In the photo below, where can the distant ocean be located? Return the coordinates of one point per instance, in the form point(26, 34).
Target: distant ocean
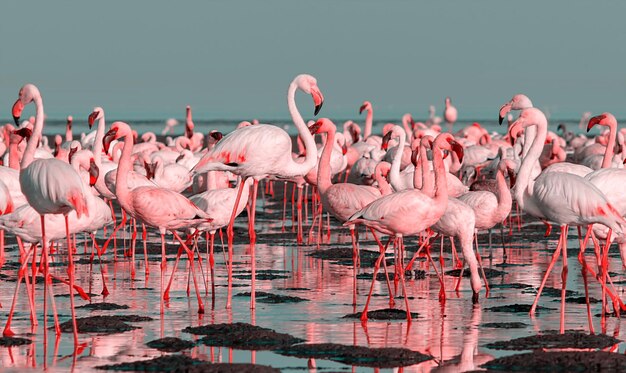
point(53, 127)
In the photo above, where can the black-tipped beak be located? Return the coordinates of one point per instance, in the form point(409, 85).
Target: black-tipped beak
point(92, 118)
point(17, 109)
point(458, 149)
point(361, 109)
point(217, 135)
point(315, 127)
point(318, 108)
point(94, 172)
point(108, 138)
point(595, 120)
point(24, 132)
point(500, 119)
point(386, 139)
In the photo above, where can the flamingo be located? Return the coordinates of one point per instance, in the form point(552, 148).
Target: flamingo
point(157, 207)
point(450, 113)
point(260, 151)
point(342, 200)
point(408, 212)
point(50, 187)
point(563, 198)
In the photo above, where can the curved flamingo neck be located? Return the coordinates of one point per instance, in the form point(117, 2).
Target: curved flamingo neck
point(369, 119)
point(381, 180)
point(97, 146)
point(529, 135)
point(14, 155)
point(524, 183)
point(425, 179)
point(608, 152)
point(441, 187)
point(310, 158)
point(123, 169)
point(323, 173)
point(394, 172)
point(503, 194)
point(29, 153)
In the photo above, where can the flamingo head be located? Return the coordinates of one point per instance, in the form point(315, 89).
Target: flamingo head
point(216, 135)
point(448, 100)
point(71, 153)
point(70, 119)
point(96, 114)
point(22, 133)
point(28, 93)
point(94, 172)
point(518, 102)
point(117, 130)
point(507, 166)
point(529, 117)
point(385, 144)
point(150, 169)
point(308, 84)
point(322, 125)
point(446, 141)
point(366, 106)
point(604, 119)
point(355, 132)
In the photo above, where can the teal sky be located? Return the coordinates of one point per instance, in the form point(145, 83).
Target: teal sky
point(234, 59)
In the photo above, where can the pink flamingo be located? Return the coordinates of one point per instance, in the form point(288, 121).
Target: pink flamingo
point(260, 151)
point(342, 200)
point(157, 207)
point(51, 187)
point(68, 129)
point(450, 113)
point(408, 212)
point(559, 197)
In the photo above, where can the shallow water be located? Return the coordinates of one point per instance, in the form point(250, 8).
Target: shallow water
point(446, 331)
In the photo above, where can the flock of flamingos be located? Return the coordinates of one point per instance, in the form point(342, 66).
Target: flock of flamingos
point(414, 180)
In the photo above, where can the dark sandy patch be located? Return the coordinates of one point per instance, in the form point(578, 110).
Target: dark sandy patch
point(14, 341)
point(343, 256)
point(104, 324)
point(181, 363)
point(489, 273)
point(559, 361)
point(264, 297)
point(547, 340)
point(356, 355)
point(104, 306)
point(383, 314)
point(170, 344)
point(550, 292)
point(517, 308)
point(264, 274)
point(512, 285)
point(242, 336)
point(416, 274)
point(580, 300)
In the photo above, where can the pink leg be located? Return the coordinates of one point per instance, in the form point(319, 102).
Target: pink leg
point(105, 290)
point(564, 230)
point(480, 264)
point(555, 256)
point(392, 302)
point(144, 237)
point(70, 272)
point(190, 255)
point(381, 257)
point(299, 206)
point(230, 234)
point(211, 266)
point(255, 186)
point(355, 255)
point(7, 332)
point(284, 207)
point(402, 281)
point(583, 269)
point(163, 262)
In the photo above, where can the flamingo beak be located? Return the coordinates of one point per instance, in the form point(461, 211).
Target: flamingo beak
point(512, 178)
point(94, 172)
point(108, 138)
point(344, 149)
point(504, 110)
point(17, 109)
point(354, 134)
point(71, 154)
point(362, 108)
point(315, 127)
point(386, 139)
point(458, 149)
point(179, 158)
point(217, 135)
point(515, 130)
point(595, 120)
point(188, 131)
point(24, 132)
point(69, 124)
point(318, 100)
point(414, 157)
point(92, 118)
point(150, 170)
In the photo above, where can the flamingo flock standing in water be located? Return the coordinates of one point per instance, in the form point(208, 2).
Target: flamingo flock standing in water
point(184, 189)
